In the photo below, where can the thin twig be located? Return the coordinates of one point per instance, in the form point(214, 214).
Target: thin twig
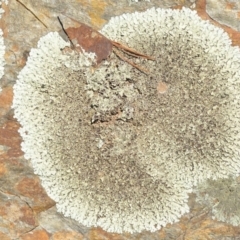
point(130, 51)
point(32, 13)
point(128, 61)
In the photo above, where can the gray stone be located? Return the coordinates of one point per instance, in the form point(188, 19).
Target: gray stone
point(52, 222)
point(225, 12)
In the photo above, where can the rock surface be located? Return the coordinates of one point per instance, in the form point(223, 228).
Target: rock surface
point(226, 12)
point(26, 212)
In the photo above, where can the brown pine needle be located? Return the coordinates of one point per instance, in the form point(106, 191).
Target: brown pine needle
point(128, 61)
point(28, 9)
point(130, 54)
point(130, 51)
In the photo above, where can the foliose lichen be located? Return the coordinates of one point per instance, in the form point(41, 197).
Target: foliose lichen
point(222, 198)
point(191, 129)
point(121, 149)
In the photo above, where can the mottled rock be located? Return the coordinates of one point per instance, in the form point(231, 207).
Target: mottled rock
point(30, 188)
point(226, 12)
point(98, 233)
point(52, 221)
point(6, 96)
point(36, 234)
point(64, 235)
point(10, 138)
point(4, 236)
point(3, 169)
point(233, 34)
point(12, 164)
point(16, 217)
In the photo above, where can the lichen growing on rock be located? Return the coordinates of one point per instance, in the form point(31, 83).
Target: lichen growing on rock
point(118, 148)
point(222, 198)
point(90, 170)
point(188, 104)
